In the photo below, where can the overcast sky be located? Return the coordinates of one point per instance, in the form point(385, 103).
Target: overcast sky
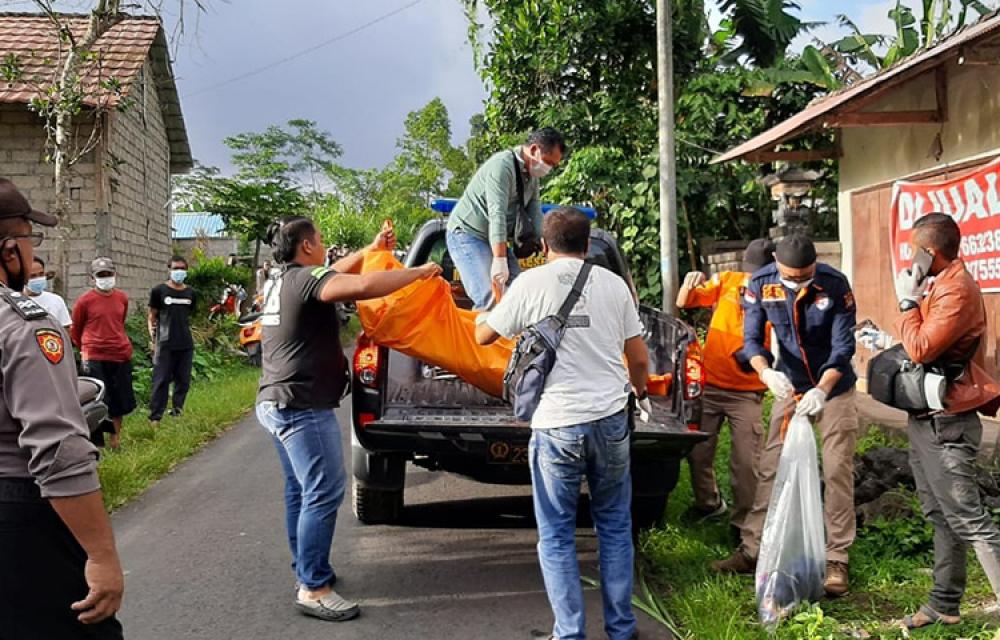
point(361, 87)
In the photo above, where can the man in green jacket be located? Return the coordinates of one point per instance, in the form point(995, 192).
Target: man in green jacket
point(483, 221)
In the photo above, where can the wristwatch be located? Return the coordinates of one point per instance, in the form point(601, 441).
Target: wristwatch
point(907, 305)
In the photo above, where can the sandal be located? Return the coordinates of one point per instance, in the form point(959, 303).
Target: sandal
point(925, 617)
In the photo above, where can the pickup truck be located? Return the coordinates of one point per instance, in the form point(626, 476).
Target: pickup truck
point(406, 410)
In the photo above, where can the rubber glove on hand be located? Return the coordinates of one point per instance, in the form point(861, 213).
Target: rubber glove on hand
point(694, 279)
point(500, 270)
point(778, 383)
point(909, 287)
point(645, 407)
point(812, 402)
point(874, 339)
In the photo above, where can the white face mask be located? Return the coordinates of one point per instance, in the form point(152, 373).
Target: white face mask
point(796, 286)
point(539, 169)
point(105, 284)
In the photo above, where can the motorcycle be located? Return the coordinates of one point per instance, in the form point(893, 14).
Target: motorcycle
point(251, 332)
point(91, 394)
point(232, 298)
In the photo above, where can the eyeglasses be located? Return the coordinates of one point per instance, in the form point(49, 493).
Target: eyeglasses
point(35, 238)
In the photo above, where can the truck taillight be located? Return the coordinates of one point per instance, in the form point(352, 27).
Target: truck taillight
point(366, 361)
point(694, 378)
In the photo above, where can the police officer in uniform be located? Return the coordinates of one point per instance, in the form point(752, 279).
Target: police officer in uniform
point(60, 577)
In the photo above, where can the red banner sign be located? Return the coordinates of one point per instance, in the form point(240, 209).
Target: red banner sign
point(972, 200)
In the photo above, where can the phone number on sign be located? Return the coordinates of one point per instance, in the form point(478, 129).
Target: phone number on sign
point(984, 269)
point(978, 243)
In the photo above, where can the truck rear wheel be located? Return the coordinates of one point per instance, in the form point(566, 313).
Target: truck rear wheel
point(377, 506)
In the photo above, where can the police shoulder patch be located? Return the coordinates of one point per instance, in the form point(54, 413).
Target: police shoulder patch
point(52, 345)
point(23, 305)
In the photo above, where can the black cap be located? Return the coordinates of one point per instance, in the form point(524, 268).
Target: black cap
point(15, 205)
point(759, 253)
point(796, 251)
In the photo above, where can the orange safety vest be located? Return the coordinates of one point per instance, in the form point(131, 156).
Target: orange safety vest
point(725, 333)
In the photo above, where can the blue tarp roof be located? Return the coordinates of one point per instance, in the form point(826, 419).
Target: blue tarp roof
point(197, 225)
point(445, 205)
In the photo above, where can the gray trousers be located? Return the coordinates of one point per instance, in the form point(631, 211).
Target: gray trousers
point(943, 457)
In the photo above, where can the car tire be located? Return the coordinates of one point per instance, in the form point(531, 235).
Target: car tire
point(377, 506)
point(254, 356)
point(647, 511)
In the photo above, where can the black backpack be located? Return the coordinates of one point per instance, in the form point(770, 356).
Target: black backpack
point(526, 242)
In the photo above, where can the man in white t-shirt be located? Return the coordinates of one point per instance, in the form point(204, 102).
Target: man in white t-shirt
point(580, 429)
point(51, 302)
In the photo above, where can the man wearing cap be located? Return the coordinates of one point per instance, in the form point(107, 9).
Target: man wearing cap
point(99, 332)
point(60, 577)
point(732, 390)
point(811, 308)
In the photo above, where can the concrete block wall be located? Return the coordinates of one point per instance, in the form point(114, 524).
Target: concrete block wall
point(138, 172)
point(22, 160)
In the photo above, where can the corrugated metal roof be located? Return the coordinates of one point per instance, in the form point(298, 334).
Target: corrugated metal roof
point(811, 116)
point(198, 225)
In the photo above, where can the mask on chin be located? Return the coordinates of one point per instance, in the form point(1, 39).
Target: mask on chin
point(796, 286)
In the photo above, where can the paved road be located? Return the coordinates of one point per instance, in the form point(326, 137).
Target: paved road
point(205, 557)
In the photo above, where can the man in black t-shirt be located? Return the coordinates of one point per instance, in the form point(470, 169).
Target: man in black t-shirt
point(303, 379)
point(170, 307)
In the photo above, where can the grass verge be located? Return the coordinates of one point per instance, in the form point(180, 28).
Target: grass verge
point(145, 456)
point(888, 580)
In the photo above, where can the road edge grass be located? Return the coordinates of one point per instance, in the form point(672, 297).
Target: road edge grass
point(886, 583)
point(212, 407)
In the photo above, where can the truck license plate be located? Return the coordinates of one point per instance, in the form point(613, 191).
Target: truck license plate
point(505, 453)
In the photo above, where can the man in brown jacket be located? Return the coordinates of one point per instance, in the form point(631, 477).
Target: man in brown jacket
point(943, 321)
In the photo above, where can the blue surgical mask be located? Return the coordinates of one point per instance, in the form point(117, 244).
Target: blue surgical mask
point(178, 275)
point(37, 285)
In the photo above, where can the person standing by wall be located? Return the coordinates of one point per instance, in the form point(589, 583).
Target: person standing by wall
point(60, 575)
point(580, 428)
point(171, 305)
point(811, 307)
point(942, 324)
point(732, 390)
point(482, 226)
point(99, 332)
point(36, 287)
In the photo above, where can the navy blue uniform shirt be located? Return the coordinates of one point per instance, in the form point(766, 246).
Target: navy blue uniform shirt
point(814, 326)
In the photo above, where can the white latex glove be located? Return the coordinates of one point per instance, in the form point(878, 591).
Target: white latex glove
point(694, 279)
point(778, 383)
point(874, 339)
point(812, 402)
point(645, 408)
point(481, 318)
point(499, 270)
point(908, 287)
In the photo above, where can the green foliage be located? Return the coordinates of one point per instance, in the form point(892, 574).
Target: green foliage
point(765, 28)
point(811, 624)
point(209, 278)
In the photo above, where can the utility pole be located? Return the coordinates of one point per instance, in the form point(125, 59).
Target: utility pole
point(668, 161)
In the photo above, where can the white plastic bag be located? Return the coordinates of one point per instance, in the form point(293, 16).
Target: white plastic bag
point(791, 565)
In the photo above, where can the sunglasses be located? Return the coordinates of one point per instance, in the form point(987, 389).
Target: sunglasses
point(35, 238)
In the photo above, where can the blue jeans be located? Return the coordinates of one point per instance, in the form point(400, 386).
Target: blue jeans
point(473, 257)
point(560, 459)
point(308, 444)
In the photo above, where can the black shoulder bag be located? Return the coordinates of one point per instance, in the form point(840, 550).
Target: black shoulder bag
point(894, 379)
point(526, 242)
point(535, 354)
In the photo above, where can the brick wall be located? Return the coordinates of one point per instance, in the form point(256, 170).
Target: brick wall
point(138, 175)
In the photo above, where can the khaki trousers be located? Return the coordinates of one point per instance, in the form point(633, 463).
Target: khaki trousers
point(743, 409)
point(838, 428)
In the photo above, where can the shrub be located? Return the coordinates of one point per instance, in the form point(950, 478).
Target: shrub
point(209, 278)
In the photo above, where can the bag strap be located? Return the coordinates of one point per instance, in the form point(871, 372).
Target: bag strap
point(575, 293)
point(520, 182)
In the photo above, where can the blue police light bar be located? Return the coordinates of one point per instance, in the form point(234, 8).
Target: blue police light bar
point(445, 205)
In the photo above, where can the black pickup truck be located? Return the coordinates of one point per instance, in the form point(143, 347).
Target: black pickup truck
point(406, 410)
